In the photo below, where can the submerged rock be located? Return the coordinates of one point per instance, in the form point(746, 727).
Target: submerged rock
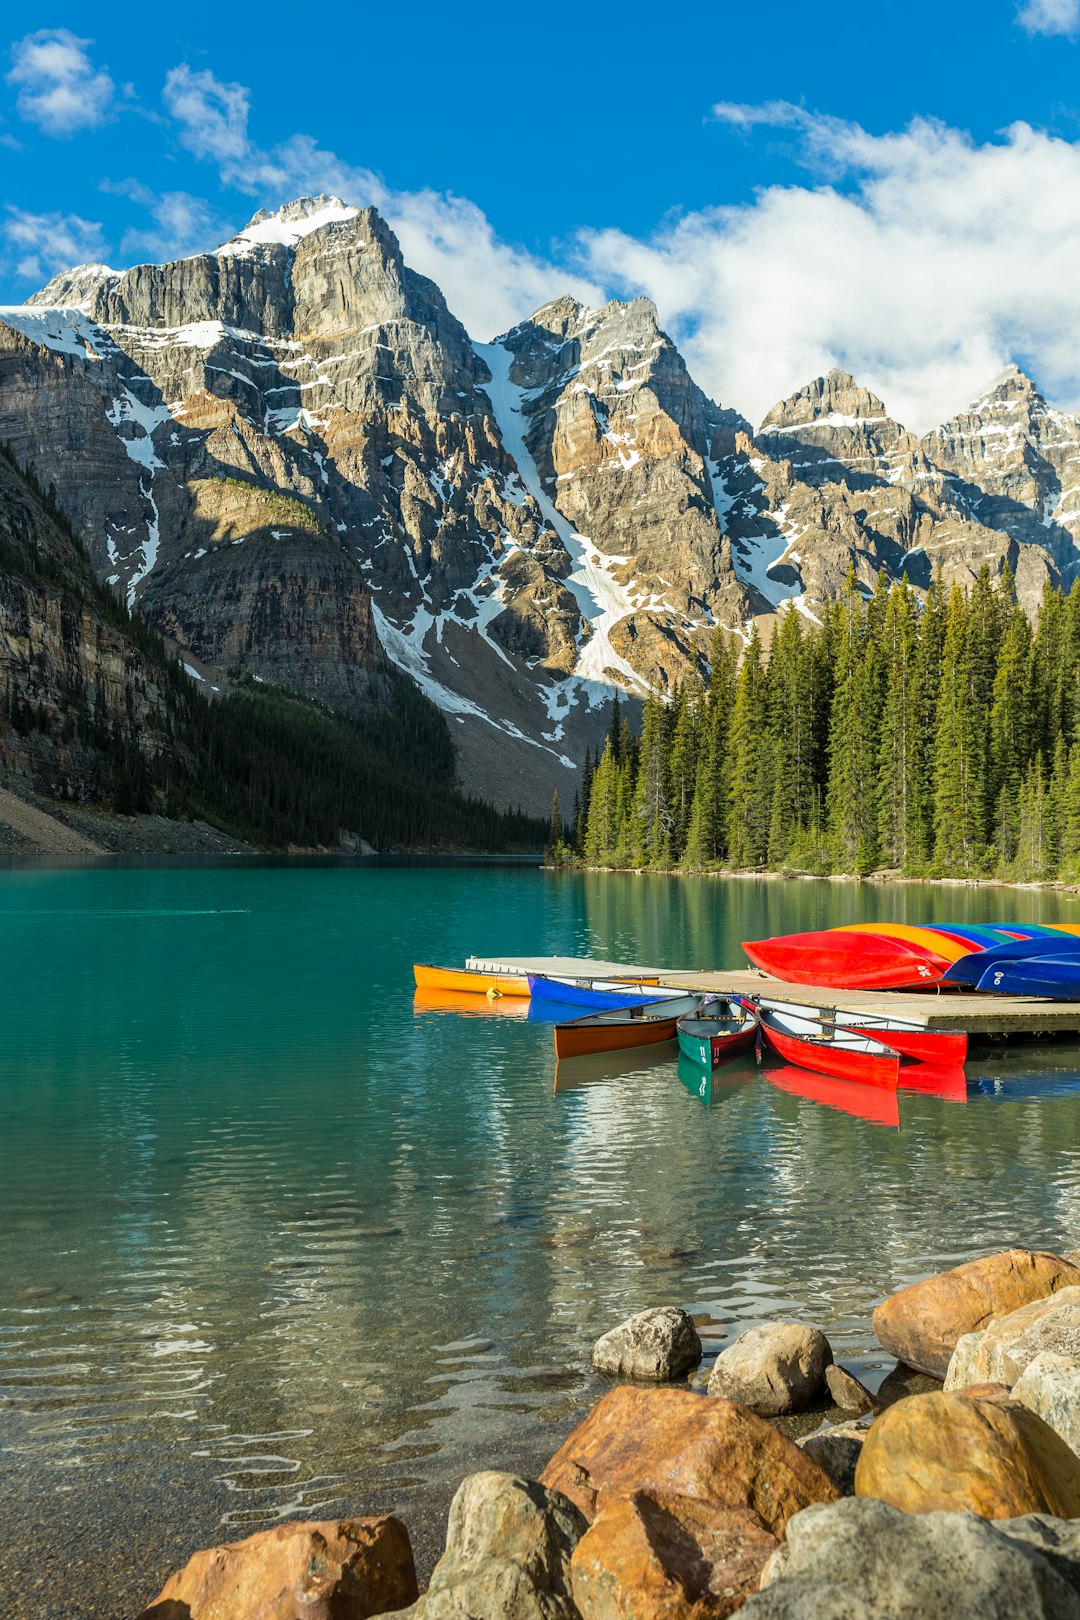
point(508, 1547)
point(654, 1555)
point(691, 1445)
point(863, 1560)
point(773, 1369)
point(922, 1324)
point(979, 1452)
point(341, 1569)
point(656, 1346)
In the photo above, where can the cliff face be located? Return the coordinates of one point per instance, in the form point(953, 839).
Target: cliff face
point(289, 455)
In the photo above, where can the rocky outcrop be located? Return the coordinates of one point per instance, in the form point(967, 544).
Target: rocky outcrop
point(776, 1368)
point(1050, 1387)
point(656, 1346)
point(972, 1451)
point(922, 1324)
point(345, 1569)
point(1000, 1353)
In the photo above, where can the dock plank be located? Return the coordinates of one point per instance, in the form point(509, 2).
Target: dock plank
point(935, 1009)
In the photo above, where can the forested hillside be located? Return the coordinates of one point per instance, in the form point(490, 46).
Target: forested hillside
point(932, 739)
point(95, 708)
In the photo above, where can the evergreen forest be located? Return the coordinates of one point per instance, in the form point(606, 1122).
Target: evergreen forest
point(935, 737)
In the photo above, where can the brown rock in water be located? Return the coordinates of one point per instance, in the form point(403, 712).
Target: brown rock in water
point(772, 1369)
point(836, 1449)
point(654, 1556)
point(849, 1394)
point(921, 1324)
point(342, 1569)
point(673, 1441)
point(977, 1452)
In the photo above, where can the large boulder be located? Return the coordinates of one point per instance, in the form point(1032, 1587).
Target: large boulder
point(772, 1369)
point(342, 1569)
point(653, 1556)
point(1050, 1387)
point(656, 1346)
point(508, 1548)
point(980, 1452)
point(999, 1352)
point(921, 1324)
point(672, 1440)
point(863, 1560)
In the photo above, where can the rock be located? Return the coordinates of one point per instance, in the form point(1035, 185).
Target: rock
point(776, 1368)
point(846, 1390)
point(836, 1449)
point(1057, 1540)
point(658, 1346)
point(343, 1569)
point(921, 1324)
point(508, 1548)
point(999, 1352)
point(653, 1555)
point(984, 1453)
point(1050, 1387)
point(692, 1445)
point(904, 1381)
point(863, 1560)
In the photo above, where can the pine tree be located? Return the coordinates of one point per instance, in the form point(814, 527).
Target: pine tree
point(851, 800)
point(749, 807)
point(1011, 732)
point(790, 737)
point(958, 807)
point(902, 828)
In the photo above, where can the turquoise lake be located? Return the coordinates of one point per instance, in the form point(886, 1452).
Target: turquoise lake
point(275, 1242)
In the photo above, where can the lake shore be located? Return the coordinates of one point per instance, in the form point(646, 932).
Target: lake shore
point(883, 879)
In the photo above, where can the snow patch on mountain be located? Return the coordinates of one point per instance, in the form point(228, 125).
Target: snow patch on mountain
point(288, 225)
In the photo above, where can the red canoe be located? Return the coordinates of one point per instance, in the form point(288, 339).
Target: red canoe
point(940, 1046)
point(829, 1049)
point(843, 960)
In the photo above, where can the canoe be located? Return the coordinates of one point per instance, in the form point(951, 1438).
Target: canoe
point(970, 969)
point(619, 1028)
point(876, 1104)
point(847, 960)
point(828, 1049)
point(469, 981)
point(911, 1040)
point(717, 1031)
point(597, 994)
point(1055, 976)
point(934, 939)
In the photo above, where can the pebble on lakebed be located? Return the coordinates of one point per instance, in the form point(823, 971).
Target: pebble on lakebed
point(665, 1502)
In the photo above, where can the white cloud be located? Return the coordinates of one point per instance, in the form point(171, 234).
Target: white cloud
point(924, 266)
point(41, 244)
point(1050, 16)
point(489, 284)
point(181, 224)
point(59, 87)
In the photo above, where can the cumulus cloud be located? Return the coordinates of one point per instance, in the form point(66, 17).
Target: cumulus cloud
point(59, 87)
point(39, 245)
point(489, 284)
point(919, 260)
point(1050, 16)
point(179, 223)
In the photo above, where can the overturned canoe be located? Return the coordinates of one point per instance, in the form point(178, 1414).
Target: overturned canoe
point(617, 1029)
point(829, 1049)
point(1056, 976)
point(843, 959)
point(717, 1031)
point(469, 981)
point(972, 969)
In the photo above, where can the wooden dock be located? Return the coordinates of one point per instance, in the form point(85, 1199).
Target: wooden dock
point(935, 1009)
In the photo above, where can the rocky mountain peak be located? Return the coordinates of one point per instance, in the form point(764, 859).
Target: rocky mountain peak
point(835, 400)
point(560, 316)
point(74, 289)
point(288, 224)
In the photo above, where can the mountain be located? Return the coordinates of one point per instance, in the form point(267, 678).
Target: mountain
point(290, 458)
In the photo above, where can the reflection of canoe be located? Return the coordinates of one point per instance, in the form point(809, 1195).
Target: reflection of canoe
point(472, 1006)
point(872, 1103)
point(717, 1031)
point(595, 993)
point(846, 960)
point(829, 1049)
point(619, 1028)
point(936, 1080)
point(900, 1034)
point(713, 1085)
point(581, 1072)
point(469, 981)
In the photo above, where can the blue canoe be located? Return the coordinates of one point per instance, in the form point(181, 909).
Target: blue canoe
point(598, 995)
point(974, 968)
point(1056, 976)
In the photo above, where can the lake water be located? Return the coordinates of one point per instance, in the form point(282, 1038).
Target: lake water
point(275, 1242)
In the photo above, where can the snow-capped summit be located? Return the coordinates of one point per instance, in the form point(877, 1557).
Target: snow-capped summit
point(288, 224)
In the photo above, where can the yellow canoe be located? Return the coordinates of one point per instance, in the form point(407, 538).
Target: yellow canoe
point(470, 981)
point(944, 945)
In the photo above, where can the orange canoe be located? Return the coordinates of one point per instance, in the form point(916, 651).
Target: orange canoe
point(470, 981)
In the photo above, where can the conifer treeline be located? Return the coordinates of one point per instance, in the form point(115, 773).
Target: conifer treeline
point(937, 738)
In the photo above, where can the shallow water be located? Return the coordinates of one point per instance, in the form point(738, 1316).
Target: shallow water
point(274, 1241)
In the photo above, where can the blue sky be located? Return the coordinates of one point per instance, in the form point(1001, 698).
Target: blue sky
point(896, 190)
